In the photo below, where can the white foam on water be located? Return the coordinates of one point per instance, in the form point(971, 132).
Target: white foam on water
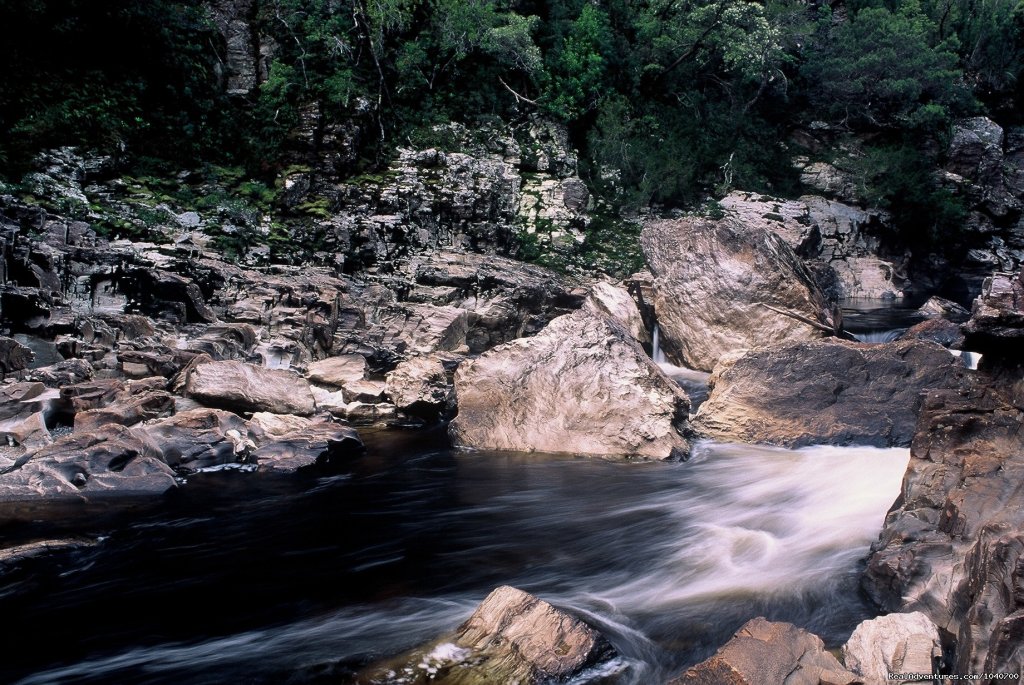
point(767, 521)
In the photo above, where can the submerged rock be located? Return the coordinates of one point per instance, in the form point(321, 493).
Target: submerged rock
point(897, 643)
point(583, 385)
point(512, 637)
point(720, 286)
point(832, 392)
point(763, 652)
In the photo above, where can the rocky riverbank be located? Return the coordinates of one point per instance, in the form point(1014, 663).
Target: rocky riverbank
point(130, 364)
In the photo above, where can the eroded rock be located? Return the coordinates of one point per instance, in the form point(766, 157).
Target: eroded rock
point(512, 637)
point(952, 548)
point(831, 392)
point(583, 385)
point(243, 387)
point(763, 652)
point(720, 286)
point(112, 461)
point(897, 643)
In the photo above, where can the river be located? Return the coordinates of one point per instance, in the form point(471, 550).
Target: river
point(243, 578)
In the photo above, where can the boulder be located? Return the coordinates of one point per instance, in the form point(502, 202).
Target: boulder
point(289, 443)
point(897, 643)
point(62, 373)
point(368, 390)
point(512, 637)
point(238, 386)
point(29, 432)
point(133, 406)
point(952, 547)
point(199, 438)
point(14, 356)
point(423, 386)
point(615, 302)
point(108, 462)
point(828, 391)
point(940, 307)
point(720, 286)
point(867, 277)
point(583, 385)
point(996, 326)
point(337, 371)
point(763, 652)
point(789, 219)
point(938, 330)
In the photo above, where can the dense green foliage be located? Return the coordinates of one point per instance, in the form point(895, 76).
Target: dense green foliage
point(670, 100)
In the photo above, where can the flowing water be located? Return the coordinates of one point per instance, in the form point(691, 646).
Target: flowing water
point(241, 578)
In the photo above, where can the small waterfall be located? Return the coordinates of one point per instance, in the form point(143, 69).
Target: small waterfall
point(883, 336)
point(656, 354)
point(970, 359)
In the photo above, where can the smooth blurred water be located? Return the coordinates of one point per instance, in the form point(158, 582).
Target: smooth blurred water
point(240, 578)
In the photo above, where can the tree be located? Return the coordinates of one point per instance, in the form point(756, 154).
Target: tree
point(880, 70)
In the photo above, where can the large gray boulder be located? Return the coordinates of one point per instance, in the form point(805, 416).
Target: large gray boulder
point(952, 547)
point(826, 391)
point(238, 386)
point(582, 386)
point(763, 652)
point(512, 637)
point(721, 286)
point(897, 643)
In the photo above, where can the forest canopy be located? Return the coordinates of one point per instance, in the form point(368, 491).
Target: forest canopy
point(672, 99)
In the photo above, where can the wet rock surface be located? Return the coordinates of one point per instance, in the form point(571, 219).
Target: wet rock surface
point(767, 653)
point(512, 637)
point(832, 392)
point(951, 547)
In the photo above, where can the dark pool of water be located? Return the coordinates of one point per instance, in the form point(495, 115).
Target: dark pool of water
point(240, 578)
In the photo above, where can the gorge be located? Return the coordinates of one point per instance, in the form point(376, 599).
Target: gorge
point(561, 341)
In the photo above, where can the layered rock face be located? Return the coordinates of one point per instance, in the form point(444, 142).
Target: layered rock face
point(996, 326)
point(767, 653)
point(512, 637)
point(952, 548)
point(583, 385)
point(838, 241)
point(826, 391)
point(720, 286)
